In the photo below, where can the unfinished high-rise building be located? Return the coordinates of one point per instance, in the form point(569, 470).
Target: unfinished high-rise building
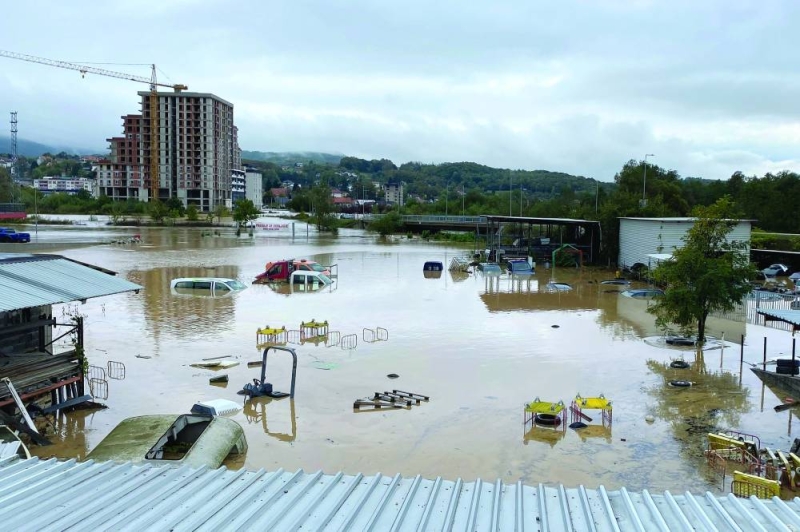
point(197, 152)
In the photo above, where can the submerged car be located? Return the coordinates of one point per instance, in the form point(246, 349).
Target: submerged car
point(206, 286)
point(521, 267)
point(489, 268)
point(775, 270)
point(643, 293)
point(193, 440)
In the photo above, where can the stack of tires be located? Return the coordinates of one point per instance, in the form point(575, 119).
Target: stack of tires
point(787, 366)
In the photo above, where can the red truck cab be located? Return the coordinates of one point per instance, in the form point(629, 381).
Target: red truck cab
point(281, 270)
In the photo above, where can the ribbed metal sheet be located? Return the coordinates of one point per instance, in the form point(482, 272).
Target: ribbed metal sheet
point(791, 317)
point(33, 281)
point(56, 495)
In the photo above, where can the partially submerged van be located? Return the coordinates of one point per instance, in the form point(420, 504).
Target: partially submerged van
point(206, 286)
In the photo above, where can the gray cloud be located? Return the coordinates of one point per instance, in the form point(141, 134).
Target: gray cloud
point(577, 86)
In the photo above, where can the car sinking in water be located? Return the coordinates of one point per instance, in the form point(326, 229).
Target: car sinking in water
point(206, 286)
point(187, 439)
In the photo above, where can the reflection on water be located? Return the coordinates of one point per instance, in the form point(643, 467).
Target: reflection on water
point(479, 345)
point(255, 411)
point(195, 316)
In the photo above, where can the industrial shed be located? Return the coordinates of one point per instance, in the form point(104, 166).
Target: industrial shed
point(641, 237)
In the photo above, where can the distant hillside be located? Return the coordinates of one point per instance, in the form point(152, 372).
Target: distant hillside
point(28, 148)
point(291, 157)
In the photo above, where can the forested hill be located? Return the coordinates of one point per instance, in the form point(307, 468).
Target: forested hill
point(291, 157)
point(426, 180)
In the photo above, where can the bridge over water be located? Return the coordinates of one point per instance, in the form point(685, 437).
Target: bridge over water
point(501, 232)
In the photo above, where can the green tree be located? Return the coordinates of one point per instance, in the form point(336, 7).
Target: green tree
point(219, 212)
point(157, 211)
point(245, 211)
point(322, 207)
point(6, 186)
point(191, 213)
point(387, 224)
point(709, 273)
point(176, 205)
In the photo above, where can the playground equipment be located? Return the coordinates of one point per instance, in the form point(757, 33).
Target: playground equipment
point(261, 387)
point(545, 414)
point(313, 331)
point(271, 336)
point(579, 404)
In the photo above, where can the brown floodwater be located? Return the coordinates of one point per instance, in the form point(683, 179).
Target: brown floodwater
point(479, 347)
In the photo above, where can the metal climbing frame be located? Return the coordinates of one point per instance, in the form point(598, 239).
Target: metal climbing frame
point(271, 336)
point(545, 414)
point(368, 335)
point(579, 404)
point(313, 330)
point(294, 364)
point(381, 334)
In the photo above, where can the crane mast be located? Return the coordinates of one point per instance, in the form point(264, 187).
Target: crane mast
point(153, 103)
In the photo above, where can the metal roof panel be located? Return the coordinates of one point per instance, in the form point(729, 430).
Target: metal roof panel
point(126, 496)
point(53, 279)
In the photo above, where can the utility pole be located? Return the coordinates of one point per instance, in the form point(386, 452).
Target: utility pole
point(14, 169)
point(510, 190)
point(644, 180)
point(462, 199)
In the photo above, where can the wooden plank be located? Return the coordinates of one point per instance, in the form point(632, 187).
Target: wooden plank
point(41, 391)
point(393, 399)
point(21, 427)
point(68, 403)
point(412, 395)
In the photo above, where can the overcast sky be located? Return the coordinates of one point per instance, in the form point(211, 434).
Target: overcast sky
point(709, 87)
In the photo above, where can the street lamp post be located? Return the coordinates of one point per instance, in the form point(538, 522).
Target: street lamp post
point(447, 184)
point(462, 199)
point(510, 190)
point(644, 180)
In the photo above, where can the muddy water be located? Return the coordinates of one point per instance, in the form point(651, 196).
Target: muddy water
point(480, 347)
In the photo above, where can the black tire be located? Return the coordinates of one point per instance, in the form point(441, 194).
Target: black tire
point(680, 340)
point(547, 419)
point(680, 384)
point(679, 364)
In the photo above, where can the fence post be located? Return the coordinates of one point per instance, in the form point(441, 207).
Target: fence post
point(741, 352)
point(765, 354)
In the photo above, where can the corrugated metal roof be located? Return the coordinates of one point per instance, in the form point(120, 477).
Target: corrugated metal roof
point(33, 280)
point(791, 317)
point(56, 495)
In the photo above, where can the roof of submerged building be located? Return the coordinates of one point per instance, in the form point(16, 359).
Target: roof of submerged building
point(55, 495)
point(34, 280)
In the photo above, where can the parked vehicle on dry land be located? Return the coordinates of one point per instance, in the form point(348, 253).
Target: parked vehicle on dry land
point(10, 236)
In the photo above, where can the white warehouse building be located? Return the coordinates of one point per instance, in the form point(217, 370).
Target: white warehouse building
point(641, 240)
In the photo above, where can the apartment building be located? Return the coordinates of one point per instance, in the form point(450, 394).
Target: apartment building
point(254, 190)
point(197, 151)
point(121, 177)
point(394, 192)
point(64, 184)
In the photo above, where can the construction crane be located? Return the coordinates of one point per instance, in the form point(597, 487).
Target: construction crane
point(152, 81)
